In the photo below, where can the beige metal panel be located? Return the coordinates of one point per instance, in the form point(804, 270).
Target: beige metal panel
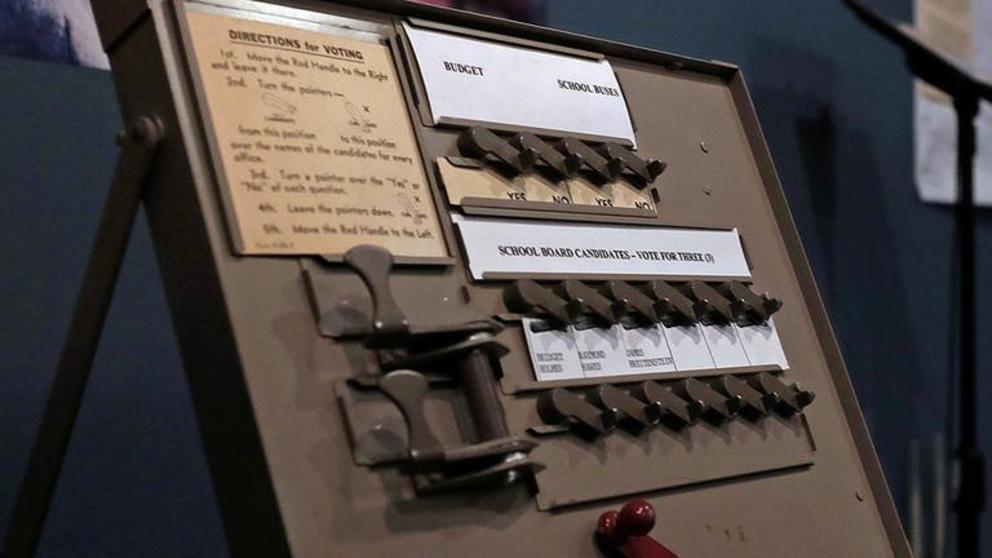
point(264, 379)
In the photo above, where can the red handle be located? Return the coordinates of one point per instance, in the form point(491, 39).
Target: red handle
point(624, 534)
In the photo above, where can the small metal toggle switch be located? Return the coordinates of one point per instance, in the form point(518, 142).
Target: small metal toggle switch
point(747, 307)
point(560, 406)
point(482, 143)
point(629, 301)
point(791, 399)
point(712, 308)
point(716, 408)
point(671, 305)
point(564, 166)
point(645, 171)
point(754, 405)
point(672, 410)
point(588, 301)
point(602, 168)
point(525, 296)
point(631, 412)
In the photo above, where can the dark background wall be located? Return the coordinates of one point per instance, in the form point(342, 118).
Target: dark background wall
point(836, 106)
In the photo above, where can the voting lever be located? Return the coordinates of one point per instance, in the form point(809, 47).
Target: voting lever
point(485, 144)
point(672, 307)
point(645, 171)
point(747, 307)
point(603, 169)
point(467, 352)
point(564, 166)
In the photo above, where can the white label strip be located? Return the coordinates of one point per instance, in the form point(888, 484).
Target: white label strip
point(647, 350)
point(492, 83)
point(725, 346)
point(689, 348)
point(552, 351)
point(517, 247)
point(601, 350)
point(762, 345)
point(594, 352)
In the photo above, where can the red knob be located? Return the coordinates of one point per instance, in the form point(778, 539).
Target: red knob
point(636, 518)
point(624, 534)
point(607, 533)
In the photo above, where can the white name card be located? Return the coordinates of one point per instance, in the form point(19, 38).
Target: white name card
point(578, 352)
point(511, 247)
point(552, 351)
point(483, 82)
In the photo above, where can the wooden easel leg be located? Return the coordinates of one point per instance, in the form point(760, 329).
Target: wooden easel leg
point(139, 146)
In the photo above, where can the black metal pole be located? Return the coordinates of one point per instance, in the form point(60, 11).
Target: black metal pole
point(971, 493)
point(966, 89)
point(139, 146)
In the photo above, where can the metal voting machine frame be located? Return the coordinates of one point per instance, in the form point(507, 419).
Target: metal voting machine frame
point(449, 285)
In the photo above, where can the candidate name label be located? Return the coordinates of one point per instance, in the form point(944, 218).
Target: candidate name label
point(578, 352)
point(473, 81)
point(500, 248)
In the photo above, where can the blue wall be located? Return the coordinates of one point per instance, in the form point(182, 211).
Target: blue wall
point(835, 103)
point(135, 482)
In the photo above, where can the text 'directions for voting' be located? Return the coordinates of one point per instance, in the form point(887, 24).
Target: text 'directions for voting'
point(311, 139)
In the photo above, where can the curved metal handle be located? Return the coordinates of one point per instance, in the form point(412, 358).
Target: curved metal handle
point(407, 389)
point(373, 265)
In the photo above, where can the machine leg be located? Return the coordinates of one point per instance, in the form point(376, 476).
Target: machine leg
point(139, 146)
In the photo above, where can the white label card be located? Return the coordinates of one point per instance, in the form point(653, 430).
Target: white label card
point(725, 346)
point(552, 351)
point(601, 350)
point(516, 247)
point(646, 350)
point(584, 350)
point(688, 348)
point(472, 80)
point(762, 345)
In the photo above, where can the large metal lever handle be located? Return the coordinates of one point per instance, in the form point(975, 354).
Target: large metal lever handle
point(407, 389)
point(373, 265)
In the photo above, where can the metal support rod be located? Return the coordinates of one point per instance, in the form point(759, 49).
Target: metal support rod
point(971, 493)
point(478, 381)
point(139, 145)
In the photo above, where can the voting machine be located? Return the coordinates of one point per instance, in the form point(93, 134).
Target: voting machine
point(448, 285)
